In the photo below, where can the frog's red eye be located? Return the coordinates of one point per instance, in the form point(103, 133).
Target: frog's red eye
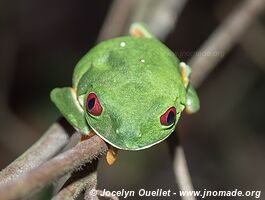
point(92, 104)
point(169, 117)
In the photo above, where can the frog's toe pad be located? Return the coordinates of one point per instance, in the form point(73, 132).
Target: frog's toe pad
point(111, 156)
point(140, 30)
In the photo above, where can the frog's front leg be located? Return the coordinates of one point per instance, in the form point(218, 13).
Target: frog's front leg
point(66, 101)
point(192, 100)
point(89, 135)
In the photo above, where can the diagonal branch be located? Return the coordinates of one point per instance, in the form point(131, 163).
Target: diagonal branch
point(73, 190)
point(53, 169)
point(224, 38)
point(85, 179)
point(55, 138)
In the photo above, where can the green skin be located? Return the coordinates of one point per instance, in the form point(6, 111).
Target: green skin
point(136, 79)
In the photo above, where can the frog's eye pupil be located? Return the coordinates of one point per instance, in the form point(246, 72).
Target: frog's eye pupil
point(169, 117)
point(93, 105)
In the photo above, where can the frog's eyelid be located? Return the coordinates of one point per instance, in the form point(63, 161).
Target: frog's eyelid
point(168, 127)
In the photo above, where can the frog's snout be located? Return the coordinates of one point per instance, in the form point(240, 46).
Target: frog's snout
point(129, 133)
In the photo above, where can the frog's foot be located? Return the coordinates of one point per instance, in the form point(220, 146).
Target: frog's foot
point(140, 30)
point(185, 71)
point(111, 156)
point(87, 136)
point(193, 102)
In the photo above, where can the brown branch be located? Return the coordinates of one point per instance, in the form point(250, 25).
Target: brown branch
point(46, 147)
point(53, 169)
point(223, 39)
point(102, 194)
point(91, 187)
point(72, 191)
point(79, 181)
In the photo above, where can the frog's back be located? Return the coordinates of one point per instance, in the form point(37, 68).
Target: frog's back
point(131, 56)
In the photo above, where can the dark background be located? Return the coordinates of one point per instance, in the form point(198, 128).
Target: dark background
point(40, 43)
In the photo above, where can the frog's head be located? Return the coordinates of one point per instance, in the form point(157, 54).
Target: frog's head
point(132, 116)
point(131, 126)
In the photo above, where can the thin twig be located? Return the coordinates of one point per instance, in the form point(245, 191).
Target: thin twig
point(218, 45)
point(160, 16)
point(181, 169)
point(223, 39)
point(180, 166)
point(253, 44)
point(116, 19)
point(47, 146)
point(53, 169)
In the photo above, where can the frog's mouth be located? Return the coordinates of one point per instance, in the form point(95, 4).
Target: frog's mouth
point(128, 148)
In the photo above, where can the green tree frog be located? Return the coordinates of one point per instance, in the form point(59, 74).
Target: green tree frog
point(129, 90)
